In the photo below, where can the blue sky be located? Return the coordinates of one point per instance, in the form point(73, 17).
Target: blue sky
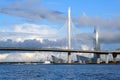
point(103, 8)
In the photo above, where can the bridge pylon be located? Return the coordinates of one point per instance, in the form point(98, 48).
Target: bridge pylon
point(69, 35)
point(96, 57)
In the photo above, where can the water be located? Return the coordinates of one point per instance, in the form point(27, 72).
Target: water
point(59, 72)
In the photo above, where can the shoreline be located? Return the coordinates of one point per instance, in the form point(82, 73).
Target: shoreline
point(118, 62)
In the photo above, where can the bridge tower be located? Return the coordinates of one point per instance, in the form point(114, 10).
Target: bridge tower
point(96, 58)
point(69, 33)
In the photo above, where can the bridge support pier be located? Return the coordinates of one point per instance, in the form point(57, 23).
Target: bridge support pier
point(69, 59)
point(106, 59)
point(98, 58)
point(114, 57)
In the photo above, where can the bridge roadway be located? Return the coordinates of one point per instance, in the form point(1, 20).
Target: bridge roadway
point(59, 50)
point(114, 53)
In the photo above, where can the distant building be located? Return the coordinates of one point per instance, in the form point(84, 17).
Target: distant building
point(83, 59)
point(57, 60)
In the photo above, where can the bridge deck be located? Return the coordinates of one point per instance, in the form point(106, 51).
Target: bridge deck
point(58, 50)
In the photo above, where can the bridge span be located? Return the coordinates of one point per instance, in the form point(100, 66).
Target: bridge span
point(59, 50)
point(114, 53)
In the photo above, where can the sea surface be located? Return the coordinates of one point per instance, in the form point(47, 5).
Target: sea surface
point(59, 72)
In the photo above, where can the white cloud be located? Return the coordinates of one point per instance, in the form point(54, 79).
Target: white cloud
point(28, 57)
point(21, 32)
point(85, 47)
point(3, 56)
point(34, 28)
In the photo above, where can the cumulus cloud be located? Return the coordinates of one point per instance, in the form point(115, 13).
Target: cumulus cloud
point(29, 43)
point(28, 32)
point(23, 57)
point(20, 32)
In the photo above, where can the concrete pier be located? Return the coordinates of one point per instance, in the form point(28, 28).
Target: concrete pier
point(98, 59)
point(69, 57)
point(106, 59)
point(114, 58)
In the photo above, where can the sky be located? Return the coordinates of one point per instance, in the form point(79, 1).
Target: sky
point(27, 23)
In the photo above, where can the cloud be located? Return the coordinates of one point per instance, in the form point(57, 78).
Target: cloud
point(110, 37)
point(41, 36)
point(33, 28)
point(3, 56)
point(30, 9)
point(109, 28)
point(30, 57)
point(33, 10)
point(29, 31)
point(23, 34)
point(43, 33)
point(85, 20)
point(23, 57)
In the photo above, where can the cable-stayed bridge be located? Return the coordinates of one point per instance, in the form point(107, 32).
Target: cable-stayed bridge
point(67, 43)
point(114, 53)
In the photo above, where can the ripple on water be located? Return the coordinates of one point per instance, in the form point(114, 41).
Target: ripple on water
point(59, 72)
